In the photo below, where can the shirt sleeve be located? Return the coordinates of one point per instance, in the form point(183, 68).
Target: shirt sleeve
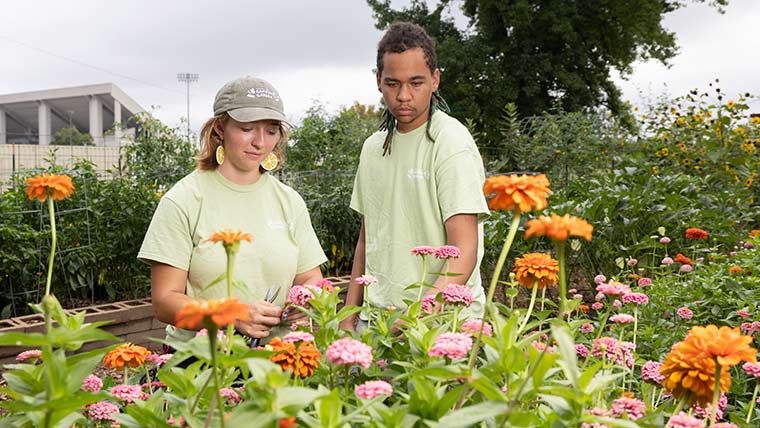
point(168, 239)
point(357, 204)
point(310, 254)
point(460, 178)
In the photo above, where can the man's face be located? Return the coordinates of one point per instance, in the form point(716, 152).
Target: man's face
point(407, 85)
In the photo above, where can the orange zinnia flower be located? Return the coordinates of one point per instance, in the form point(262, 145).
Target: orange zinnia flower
point(126, 354)
point(288, 422)
point(696, 233)
point(690, 366)
point(521, 192)
point(559, 228)
point(230, 236)
point(754, 233)
point(57, 187)
point(680, 258)
point(301, 360)
point(200, 314)
point(734, 269)
point(537, 268)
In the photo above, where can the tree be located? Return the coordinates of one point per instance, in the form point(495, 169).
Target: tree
point(538, 54)
point(71, 137)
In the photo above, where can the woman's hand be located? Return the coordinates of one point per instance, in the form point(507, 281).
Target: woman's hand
point(263, 316)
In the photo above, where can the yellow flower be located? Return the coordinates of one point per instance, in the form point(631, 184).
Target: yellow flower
point(690, 367)
point(559, 228)
point(521, 192)
point(126, 354)
point(57, 187)
point(756, 119)
point(730, 104)
point(537, 268)
point(655, 170)
point(682, 146)
point(199, 314)
point(230, 236)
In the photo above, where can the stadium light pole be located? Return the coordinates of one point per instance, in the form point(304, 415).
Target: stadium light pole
point(187, 78)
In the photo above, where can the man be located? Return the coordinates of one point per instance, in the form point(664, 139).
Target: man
point(419, 182)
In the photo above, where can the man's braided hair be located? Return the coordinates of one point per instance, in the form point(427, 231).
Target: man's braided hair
point(400, 37)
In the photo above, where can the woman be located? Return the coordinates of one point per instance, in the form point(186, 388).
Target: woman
point(231, 189)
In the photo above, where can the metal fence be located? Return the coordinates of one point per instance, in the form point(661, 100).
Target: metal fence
point(19, 157)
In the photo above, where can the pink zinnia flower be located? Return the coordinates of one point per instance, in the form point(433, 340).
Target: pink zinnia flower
point(347, 351)
point(612, 350)
point(366, 280)
point(92, 383)
point(742, 313)
point(685, 268)
point(203, 332)
point(179, 421)
point(381, 362)
point(457, 294)
point(622, 318)
point(159, 359)
point(102, 411)
point(428, 303)
point(298, 336)
point(644, 282)
point(637, 298)
point(581, 350)
point(325, 285)
point(613, 288)
point(128, 393)
point(633, 408)
point(616, 304)
point(447, 252)
point(748, 245)
point(632, 262)
point(578, 296)
point(707, 411)
point(683, 420)
point(451, 345)
point(35, 354)
point(752, 369)
point(231, 396)
point(650, 372)
point(664, 240)
point(373, 388)
point(685, 312)
point(473, 327)
point(597, 306)
point(423, 250)
point(300, 295)
point(586, 328)
point(667, 261)
point(600, 279)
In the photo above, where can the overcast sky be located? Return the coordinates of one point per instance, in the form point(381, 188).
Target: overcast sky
point(311, 50)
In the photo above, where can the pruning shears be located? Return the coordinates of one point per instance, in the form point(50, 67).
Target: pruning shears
point(271, 295)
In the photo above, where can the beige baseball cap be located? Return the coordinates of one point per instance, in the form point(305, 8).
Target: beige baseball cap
point(249, 99)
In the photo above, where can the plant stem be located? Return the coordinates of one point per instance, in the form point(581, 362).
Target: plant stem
point(716, 394)
point(424, 274)
point(530, 307)
point(215, 374)
point(752, 403)
point(562, 279)
point(51, 211)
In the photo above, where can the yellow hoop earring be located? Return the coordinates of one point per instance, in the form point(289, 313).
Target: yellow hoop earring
point(220, 155)
point(270, 162)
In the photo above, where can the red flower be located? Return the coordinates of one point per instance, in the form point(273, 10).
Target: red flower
point(695, 233)
point(680, 258)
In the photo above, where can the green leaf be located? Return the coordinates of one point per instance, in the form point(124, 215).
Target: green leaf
point(472, 415)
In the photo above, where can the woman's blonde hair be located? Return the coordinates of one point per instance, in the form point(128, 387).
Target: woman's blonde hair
point(210, 140)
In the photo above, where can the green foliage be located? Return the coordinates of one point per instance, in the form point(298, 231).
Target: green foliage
point(72, 137)
point(320, 164)
point(538, 54)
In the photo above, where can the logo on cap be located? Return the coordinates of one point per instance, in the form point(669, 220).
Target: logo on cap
point(263, 93)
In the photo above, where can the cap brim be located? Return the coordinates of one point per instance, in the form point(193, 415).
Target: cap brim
point(253, 114)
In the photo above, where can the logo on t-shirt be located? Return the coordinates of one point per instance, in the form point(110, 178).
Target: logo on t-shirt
point(418, 174)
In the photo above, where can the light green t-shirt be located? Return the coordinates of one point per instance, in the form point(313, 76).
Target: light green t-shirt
point(284, 243)
point(407, 196)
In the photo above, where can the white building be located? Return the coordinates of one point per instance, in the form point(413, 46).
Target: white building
point(34, 117)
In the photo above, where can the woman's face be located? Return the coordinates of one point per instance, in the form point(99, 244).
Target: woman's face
point(247, 144)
